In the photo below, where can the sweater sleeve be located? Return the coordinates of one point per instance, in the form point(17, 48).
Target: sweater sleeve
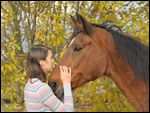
point(47, 97)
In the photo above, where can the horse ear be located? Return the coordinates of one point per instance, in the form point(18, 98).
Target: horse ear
point(75, 24)
point(86, 27)
point(73, 21)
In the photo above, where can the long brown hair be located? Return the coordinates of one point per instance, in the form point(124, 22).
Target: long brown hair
point(35, 54)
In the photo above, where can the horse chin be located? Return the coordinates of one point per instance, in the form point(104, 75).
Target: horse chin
point(59, 93)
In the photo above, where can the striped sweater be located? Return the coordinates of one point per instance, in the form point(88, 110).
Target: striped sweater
point(39, 97)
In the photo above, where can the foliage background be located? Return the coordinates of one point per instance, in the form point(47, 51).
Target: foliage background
point(26, 23)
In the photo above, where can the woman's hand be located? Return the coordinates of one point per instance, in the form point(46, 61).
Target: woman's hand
point(65, 74)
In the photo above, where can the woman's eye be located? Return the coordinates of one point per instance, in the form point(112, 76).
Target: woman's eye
point(77, 48)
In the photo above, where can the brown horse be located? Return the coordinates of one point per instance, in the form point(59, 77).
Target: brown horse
point(97, 50)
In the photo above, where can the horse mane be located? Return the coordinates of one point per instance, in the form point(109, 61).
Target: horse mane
point(133, 51)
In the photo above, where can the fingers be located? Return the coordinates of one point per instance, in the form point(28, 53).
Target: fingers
point(65, 69)
point(61, 69)
point(69, 70)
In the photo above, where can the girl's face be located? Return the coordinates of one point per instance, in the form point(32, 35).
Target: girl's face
point(47, 64)
point(49, 61)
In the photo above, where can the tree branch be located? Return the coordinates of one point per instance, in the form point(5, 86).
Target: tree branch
point(78, 2)
point(10, 60)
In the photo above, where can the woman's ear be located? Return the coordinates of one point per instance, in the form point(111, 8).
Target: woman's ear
point(41, 62)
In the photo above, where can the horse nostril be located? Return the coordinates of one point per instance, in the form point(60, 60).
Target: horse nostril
point(53, 85)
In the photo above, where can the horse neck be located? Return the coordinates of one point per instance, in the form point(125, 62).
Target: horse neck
point(121, 73)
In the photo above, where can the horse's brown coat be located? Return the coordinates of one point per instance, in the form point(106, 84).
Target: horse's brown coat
point(99, 56)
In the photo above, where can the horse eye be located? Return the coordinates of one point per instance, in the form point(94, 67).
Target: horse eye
point(77, 48)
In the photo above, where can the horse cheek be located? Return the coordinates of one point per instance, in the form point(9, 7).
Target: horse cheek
point(102, 66)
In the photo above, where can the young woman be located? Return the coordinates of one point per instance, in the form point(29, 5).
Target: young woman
point(37, 94)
